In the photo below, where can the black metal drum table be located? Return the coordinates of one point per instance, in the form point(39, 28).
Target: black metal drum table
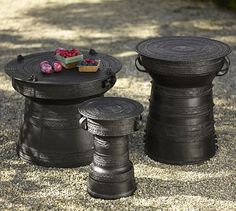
point(111, 120)
point(50, 134)
point(180, 126)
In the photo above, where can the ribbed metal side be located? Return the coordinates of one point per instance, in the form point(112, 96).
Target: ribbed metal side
point(111, 173)
point(180, 126)
point(51, 135)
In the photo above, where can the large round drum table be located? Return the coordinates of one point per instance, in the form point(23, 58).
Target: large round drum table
point(50, 134)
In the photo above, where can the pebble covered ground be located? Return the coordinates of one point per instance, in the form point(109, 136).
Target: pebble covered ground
point(115, 27)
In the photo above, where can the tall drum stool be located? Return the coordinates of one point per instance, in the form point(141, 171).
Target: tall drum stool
point(180, 125)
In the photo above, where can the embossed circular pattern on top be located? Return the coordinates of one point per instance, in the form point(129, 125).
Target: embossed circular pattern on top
point(24, 69)
point(182, 49)
point(110, 108)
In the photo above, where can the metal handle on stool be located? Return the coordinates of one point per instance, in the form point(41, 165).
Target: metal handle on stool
point(83, 123)
point(226, 69)
point(138, 123)
point(139, 62)
point(109, 82)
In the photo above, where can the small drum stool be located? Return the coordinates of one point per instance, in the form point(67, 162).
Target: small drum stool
point(111, 120)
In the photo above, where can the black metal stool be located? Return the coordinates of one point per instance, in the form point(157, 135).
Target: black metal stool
point(180, 124)
point(111, 120)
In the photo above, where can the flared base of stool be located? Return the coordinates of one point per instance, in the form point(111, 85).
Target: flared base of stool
point(105, 190)
point(48, 160)
point(171, 162)
point(181, 160)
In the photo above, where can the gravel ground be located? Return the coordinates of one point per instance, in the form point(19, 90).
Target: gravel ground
point(115, 27)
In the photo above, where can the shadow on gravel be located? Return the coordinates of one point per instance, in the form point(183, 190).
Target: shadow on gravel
point(109, 16)
point(117, 26)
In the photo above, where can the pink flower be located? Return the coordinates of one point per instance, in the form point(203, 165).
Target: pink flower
point(46, 69)
point(57, 66)
point(43, 62)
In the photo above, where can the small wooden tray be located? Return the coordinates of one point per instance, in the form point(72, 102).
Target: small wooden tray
point(88, 69)
point(70, 66)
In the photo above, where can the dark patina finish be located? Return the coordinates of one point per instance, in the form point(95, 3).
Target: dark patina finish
point(50, 134)
point(111, 120)
point(180, 126)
